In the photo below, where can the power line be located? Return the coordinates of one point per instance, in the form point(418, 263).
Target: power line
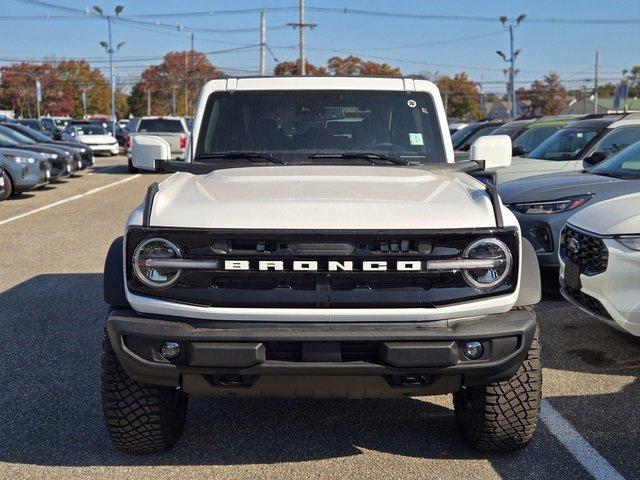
point(420, 16)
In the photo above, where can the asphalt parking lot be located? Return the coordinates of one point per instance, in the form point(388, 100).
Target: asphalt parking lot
point(52, 247)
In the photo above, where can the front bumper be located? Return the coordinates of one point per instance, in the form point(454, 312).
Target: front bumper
point(106, 148)
point(222, 358)
point(615, 290)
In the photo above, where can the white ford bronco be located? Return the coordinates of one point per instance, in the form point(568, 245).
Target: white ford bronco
point(318, 241)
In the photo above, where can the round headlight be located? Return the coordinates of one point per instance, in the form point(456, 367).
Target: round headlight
point(488, 249)
point(153, 275)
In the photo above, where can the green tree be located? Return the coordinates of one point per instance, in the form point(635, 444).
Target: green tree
point(293, 68)
point(355, 66)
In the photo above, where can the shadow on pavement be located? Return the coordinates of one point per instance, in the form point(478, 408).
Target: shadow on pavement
point(51, 414)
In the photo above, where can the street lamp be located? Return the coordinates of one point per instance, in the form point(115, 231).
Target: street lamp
point(512, 59)
point(110, 50)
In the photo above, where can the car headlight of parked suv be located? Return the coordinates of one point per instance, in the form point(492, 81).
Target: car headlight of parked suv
point(552, 206)
point(152, 262)
point(630, 241)
point(50, 156)
point(18, 159)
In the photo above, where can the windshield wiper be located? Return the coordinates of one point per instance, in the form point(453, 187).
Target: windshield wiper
point(251, 156)
point(372, 157)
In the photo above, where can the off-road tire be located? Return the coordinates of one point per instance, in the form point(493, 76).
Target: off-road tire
point(502, 416)
point(140, 418)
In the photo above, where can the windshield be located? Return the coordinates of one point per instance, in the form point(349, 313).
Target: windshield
point(32, 134)
point(511, 131)
point(5, 139)
point(161, 125)
point(292, 125)
point(532, 137)
point(17, 136)
point(565, 144)
point(625, 164)
point(462, 139)
point(90, 130)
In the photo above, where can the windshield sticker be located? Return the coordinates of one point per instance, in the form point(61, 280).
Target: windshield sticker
point(416, 139)
point(412, 103)
point(579, 135)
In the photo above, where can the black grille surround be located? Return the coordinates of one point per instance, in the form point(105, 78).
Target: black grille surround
point(592, 254)
point(321, 289)
point(587, 302)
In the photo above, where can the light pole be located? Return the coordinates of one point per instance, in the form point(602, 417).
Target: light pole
point(512, 59)
point(110, 50)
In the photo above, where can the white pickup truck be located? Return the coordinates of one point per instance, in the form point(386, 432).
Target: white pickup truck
point(173, 130)
point(319, 241)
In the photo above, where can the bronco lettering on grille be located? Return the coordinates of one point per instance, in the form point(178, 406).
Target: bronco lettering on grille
point(326, 265)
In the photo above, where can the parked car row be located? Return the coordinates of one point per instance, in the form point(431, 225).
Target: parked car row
point(574, 186)
point(30, 159)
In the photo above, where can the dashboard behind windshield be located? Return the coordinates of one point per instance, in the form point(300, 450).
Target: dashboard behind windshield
point(295, 124)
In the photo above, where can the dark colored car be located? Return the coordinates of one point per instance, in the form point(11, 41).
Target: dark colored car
point(33, 123)
point(86, 154)
point(463, 138)
point(62, 160)
point(543, 204)
point(22, 171)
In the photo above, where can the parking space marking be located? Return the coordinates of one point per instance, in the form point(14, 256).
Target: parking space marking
point(70, 199)
point(580, 449)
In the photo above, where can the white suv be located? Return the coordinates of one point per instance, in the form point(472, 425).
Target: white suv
point(600, 261)
point(326, 246)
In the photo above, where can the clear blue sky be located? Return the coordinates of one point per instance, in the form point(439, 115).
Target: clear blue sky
point(565, 48)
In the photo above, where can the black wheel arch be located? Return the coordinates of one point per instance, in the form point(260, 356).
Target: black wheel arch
point(113, 280)
point(530, 281)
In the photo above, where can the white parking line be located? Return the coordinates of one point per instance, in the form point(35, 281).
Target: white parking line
point(70, 199)
point(580, 449)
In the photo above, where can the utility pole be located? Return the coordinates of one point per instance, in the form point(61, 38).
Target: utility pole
point(110, 50)
point(263, 43)
point(595, 86)
point(84, 101)
point(38, 96)
point(173, 101)
point(148, 103)
point(186, 77)
point(301, 25)
point(511, 60)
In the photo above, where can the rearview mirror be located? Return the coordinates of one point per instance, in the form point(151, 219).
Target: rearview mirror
point(145, 149)
point(593, 159)
point(492, 150)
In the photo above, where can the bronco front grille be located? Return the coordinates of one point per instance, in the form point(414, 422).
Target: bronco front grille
point(323, 288)
point(585, 249)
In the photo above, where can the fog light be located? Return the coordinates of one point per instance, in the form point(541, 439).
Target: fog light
point(170, 350)
point(473, 350)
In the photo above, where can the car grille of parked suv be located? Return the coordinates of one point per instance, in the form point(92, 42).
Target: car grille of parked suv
point(321, 289)
point(586, 250)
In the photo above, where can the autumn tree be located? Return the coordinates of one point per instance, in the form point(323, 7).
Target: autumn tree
point(461, 96)
point(62, 84)
point(293, 68)
point(176, 81)
point(545, 97)
point(355, 66)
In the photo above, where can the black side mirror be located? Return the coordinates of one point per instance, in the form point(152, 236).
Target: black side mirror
point(518, 151)
point(594, 158)
point(56, 136)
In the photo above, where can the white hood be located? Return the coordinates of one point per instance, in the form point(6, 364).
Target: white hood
point(322, 197)
point(96, 139)
point(618, 216)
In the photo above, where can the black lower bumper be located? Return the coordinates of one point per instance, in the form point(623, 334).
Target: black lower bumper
point(320, 360)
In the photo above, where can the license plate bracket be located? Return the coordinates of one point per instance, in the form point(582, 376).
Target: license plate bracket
point(572, 274)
